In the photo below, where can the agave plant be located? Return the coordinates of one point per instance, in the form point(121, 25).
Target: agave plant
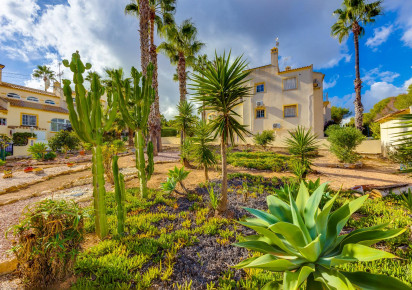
point(176, 175)
point(304, 242)
point(407, 200)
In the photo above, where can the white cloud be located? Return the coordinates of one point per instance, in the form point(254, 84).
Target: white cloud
point(331, 83)
point(376, 75)
point(380, 35)
point(404, 19)
point(344, 102)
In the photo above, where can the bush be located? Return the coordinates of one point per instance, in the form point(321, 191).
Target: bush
point(50, 156)
point(344, 141)
point(259, 160)
point(64, 139)
point(38, 150)
point(169, 132)
point(264, 138)
point(22, 138)
point(48, 241)
point(401, 154)
point(376, 130)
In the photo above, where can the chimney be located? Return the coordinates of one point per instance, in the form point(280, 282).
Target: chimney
point(274, 57)
point(1, 71)
point(288, 67)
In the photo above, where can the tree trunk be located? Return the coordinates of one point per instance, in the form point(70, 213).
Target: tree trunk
point(206, 174)
point(358, 81)
point(45, 86)
point(101, 219)
point(144, 15)
point(223, 197)
point(181, 72)
point(154, 117)
point(141, 163)
point(130, 131)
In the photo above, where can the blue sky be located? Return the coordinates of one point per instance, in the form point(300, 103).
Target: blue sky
point(43, 32)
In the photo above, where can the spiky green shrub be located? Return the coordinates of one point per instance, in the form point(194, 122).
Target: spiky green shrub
point(175, 176)
point(264, 138)
point(343, 142)
point(304, 241)
point(303, 145)
point(407, 200)
point(201, 149)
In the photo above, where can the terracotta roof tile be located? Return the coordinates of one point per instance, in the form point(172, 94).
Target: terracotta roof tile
point(27, 89)
point(298, 68)
point(24, 104)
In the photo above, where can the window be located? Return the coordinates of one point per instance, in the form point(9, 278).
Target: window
point(3, 122)
point(28, 120)
point(50, 102)
point(290, 84)
point(33, 99)
point(59, 124)
point(260, 88)
point(260, 114)
point(290, 111)
point(13, 95)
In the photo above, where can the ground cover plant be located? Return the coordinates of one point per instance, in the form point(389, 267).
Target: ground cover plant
point(177, 243)
point(260, 160)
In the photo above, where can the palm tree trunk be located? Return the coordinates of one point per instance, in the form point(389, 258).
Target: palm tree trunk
point(206, 173)
point(223, 197)
point(45, 80)
point(154, 117)
point(358, 81)
point(130, 137)
point(181, 71)
point(144, 33)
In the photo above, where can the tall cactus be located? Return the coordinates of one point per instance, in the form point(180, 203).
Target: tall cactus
point(119, 195)
point(90, 123)
point(135, 105)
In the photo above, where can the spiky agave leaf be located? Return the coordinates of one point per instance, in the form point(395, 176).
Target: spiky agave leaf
point(303, 241)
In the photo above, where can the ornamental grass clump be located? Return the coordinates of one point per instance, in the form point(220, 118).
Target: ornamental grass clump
point(305, 242)
point(47, 241)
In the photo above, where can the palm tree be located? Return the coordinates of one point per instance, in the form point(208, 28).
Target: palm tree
point(201, 149)
point(160, 15)
point(45, 73)
point(351, 16)
point(222, 86)
point(184, 122)
point(181, 46)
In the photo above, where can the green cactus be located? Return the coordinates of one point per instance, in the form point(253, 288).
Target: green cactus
point(90, 123)
point(120, 195)
point(135, 105)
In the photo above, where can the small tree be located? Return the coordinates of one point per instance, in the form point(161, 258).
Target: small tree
point(220, 88)
point(303, 145)
point(343, 142)
point(264, 138)
point(4, 141)
point(184, 122)
point(38, 150)
point(202, 153)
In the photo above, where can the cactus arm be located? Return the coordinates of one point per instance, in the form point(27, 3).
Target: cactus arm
point(141, 163)
point(119, 194)
point(150, 163)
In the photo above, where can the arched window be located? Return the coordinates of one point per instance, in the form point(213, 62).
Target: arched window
point(33, 99)
point(59, 124)
point(13, 95)
point(50, 102)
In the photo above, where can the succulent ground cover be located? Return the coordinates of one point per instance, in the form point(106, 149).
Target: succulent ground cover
point(178, 243)
point(259, 160)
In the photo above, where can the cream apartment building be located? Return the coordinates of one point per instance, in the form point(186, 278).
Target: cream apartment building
point(283, 100)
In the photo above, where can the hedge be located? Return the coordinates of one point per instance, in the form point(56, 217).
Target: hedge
point(169, 132)
point(22, 138)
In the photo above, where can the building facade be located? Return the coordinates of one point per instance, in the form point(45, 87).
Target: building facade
point(283, 100)
point(24, 109)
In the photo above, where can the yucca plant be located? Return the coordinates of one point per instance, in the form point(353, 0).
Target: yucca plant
point(176, 175)
point(303, 145)
point(201, 150)
point(407, 200)
point(304, 241)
